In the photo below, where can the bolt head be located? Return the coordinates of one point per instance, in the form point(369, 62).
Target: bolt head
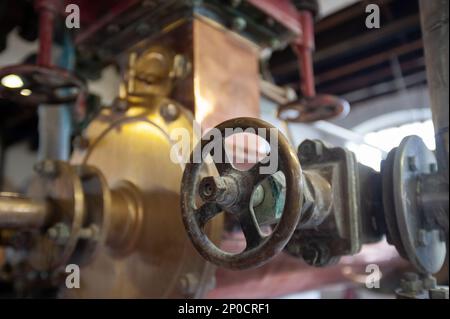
point(181, 66)
point(422, 238)
point(411, 283)
point(188, 284)
point(310, 149)
point(119, 105)
point(275, 43)
point(429, 282)
point(439, 293)
point(412, 165)
point(433, 168)
point(52, 233)
point(211, 188)
point(411, 286)
point(48, 168)
point(239, 24)
point(143, 29)
point(222, 190)
point(410, 276)
point(89, 233)
point(80, 142)
point(59, 233)
point(169, 112)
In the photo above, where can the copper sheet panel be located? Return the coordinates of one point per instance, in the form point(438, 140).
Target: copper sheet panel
point(226, 75)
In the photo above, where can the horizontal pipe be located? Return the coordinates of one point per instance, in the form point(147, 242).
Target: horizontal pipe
point(18, 212)
point(126, 218)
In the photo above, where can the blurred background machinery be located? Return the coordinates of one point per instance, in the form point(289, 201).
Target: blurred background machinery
point(94, 110)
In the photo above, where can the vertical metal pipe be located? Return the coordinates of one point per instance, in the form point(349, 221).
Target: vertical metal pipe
point(55, 121)
point(434, 19)
point(305, 48)
point(45, 38)
point(54, 132)
point(47, 10)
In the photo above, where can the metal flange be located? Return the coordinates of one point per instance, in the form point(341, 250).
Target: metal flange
point(406, 224)
point(53, 244)
point(78, 219)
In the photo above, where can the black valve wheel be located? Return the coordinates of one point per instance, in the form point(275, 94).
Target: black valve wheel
point(311, 109)
point(232, 192)
point(40, 85)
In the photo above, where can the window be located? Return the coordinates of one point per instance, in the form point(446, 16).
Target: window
point(380, 142)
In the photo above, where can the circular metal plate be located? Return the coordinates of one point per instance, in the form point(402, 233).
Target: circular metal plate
point(136, 147)
point(424, 248)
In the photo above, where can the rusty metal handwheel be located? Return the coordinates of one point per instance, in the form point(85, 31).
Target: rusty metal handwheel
point(311, 109)
point(260, 248)
point(41, 85)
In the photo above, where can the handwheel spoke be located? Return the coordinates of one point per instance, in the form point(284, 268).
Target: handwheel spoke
point(206, 212)
point(224, 165)
point(222, 168)
point(44, 90)
point(66, 85)
point(250, 228)
point(258, 177)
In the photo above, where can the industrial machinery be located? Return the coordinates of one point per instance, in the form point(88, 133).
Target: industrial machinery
point(143, 225)
point(330, 206)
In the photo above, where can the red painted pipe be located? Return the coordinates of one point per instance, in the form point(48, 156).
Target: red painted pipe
point(45, 38)
point(47, 11)
point(304, 47)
